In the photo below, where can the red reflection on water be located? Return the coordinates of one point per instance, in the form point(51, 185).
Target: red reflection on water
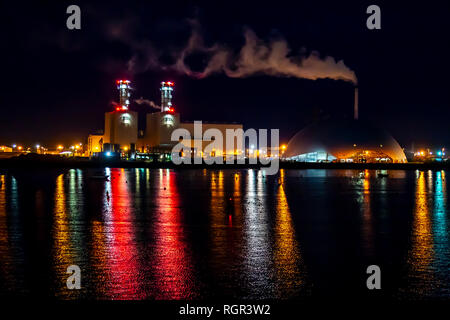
point(120, 240)
point(173, 268)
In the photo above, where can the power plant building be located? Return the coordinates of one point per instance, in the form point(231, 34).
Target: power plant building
point(121, 128)
point(222, 128)
point(95, 144)
point(158, 132)
point(325, 141)
point(121, 125)
point(344, 141)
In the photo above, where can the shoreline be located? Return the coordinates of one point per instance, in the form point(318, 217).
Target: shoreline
point(39, 162)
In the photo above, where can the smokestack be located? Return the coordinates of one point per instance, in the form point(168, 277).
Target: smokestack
point(166, 95)
point(124, 93)
point(355, 114)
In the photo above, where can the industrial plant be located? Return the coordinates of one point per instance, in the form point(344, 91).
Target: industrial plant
point(332, 140)
point(123, 139)
point(344, 141)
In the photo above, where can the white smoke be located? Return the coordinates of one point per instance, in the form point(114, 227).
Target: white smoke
point(147, 102)
point(272, 58)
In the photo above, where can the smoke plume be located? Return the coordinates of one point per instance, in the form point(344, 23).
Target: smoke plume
point(147, 102)
point(256, 56)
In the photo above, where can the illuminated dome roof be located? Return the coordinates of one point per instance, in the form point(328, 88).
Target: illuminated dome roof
point(350, 140)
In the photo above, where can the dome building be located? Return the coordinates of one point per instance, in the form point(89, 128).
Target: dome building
point(344, 141)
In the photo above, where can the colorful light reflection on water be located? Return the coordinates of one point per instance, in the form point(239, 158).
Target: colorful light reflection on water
point(167, 234)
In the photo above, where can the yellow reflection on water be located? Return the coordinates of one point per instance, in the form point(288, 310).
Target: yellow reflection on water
point(367, 224)
point(2, 196)
point(147, 179)
point(100, 268)
point(286, 253)
point(237, 199)
point(421, 253)
point(3, 205)
point(62, 256)
point(217, 204)
point(422, 240)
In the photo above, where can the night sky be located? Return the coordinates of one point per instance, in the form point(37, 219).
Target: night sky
point(57, 83)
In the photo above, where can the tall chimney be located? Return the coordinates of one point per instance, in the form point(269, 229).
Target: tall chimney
point(166, 95)
point(355, 114)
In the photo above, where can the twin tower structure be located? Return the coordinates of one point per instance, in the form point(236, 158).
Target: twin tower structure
point(123, 135)
point(122, 132)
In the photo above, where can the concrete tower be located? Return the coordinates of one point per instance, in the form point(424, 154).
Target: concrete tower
point(166, 95)
point(124, 93)
point(121, 125)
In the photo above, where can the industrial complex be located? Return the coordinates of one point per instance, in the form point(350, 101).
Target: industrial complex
point(344, 141)
point(122, 137)
point(354, 141)
point(348, 141)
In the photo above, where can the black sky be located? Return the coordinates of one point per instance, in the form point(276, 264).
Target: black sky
point(57, 83)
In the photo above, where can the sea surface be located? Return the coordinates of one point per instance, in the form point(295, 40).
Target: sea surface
point(210, 234)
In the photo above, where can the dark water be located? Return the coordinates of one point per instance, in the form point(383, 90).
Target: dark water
point(194, 234)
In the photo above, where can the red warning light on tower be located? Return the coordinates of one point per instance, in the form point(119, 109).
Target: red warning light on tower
point(124, 93)
point(167, 88)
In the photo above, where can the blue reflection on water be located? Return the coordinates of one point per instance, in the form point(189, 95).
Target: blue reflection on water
point(168, 234)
